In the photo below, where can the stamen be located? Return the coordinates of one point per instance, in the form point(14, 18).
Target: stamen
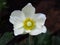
point(29, 24)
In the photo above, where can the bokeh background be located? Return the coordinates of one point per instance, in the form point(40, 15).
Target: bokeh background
point(49, 7)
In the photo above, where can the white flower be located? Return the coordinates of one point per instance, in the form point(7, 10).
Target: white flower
point(26, 21)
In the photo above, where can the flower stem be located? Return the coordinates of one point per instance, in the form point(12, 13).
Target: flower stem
point(29, 40)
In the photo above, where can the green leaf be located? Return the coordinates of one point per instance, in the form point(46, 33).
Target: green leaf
point(6, 38)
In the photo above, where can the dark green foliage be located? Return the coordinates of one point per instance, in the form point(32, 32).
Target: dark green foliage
point(42, 39)
point(6, 38)
point(55, 40)
point(2, 4)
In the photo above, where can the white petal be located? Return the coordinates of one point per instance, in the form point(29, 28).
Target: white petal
point(18, 31)
point(29, 10)
point(38, 25)
point(16, 16)
point(18, 25)
point(40, 18)
point(36, 31)
point(27, 31)
point(44, 29)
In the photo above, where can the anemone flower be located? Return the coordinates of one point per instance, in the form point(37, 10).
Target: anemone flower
point(27, 21)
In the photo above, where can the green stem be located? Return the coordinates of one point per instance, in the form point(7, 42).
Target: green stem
point(29, 40)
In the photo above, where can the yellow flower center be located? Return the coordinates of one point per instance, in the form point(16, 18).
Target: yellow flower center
point(29, 24)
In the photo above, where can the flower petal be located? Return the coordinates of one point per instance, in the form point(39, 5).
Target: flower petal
point(16, 16)
point(18, 31)
point(44, 29)
point(27, 31)
point(18, 25)
point(40, 18)
point(28, 10)
point(36, 31)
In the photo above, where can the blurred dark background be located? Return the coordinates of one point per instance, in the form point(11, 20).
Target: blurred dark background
point(49, 7)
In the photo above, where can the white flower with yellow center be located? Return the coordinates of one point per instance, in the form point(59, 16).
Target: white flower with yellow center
point(26, 21)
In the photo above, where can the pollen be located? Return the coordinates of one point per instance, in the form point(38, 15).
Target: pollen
point(29, 24)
